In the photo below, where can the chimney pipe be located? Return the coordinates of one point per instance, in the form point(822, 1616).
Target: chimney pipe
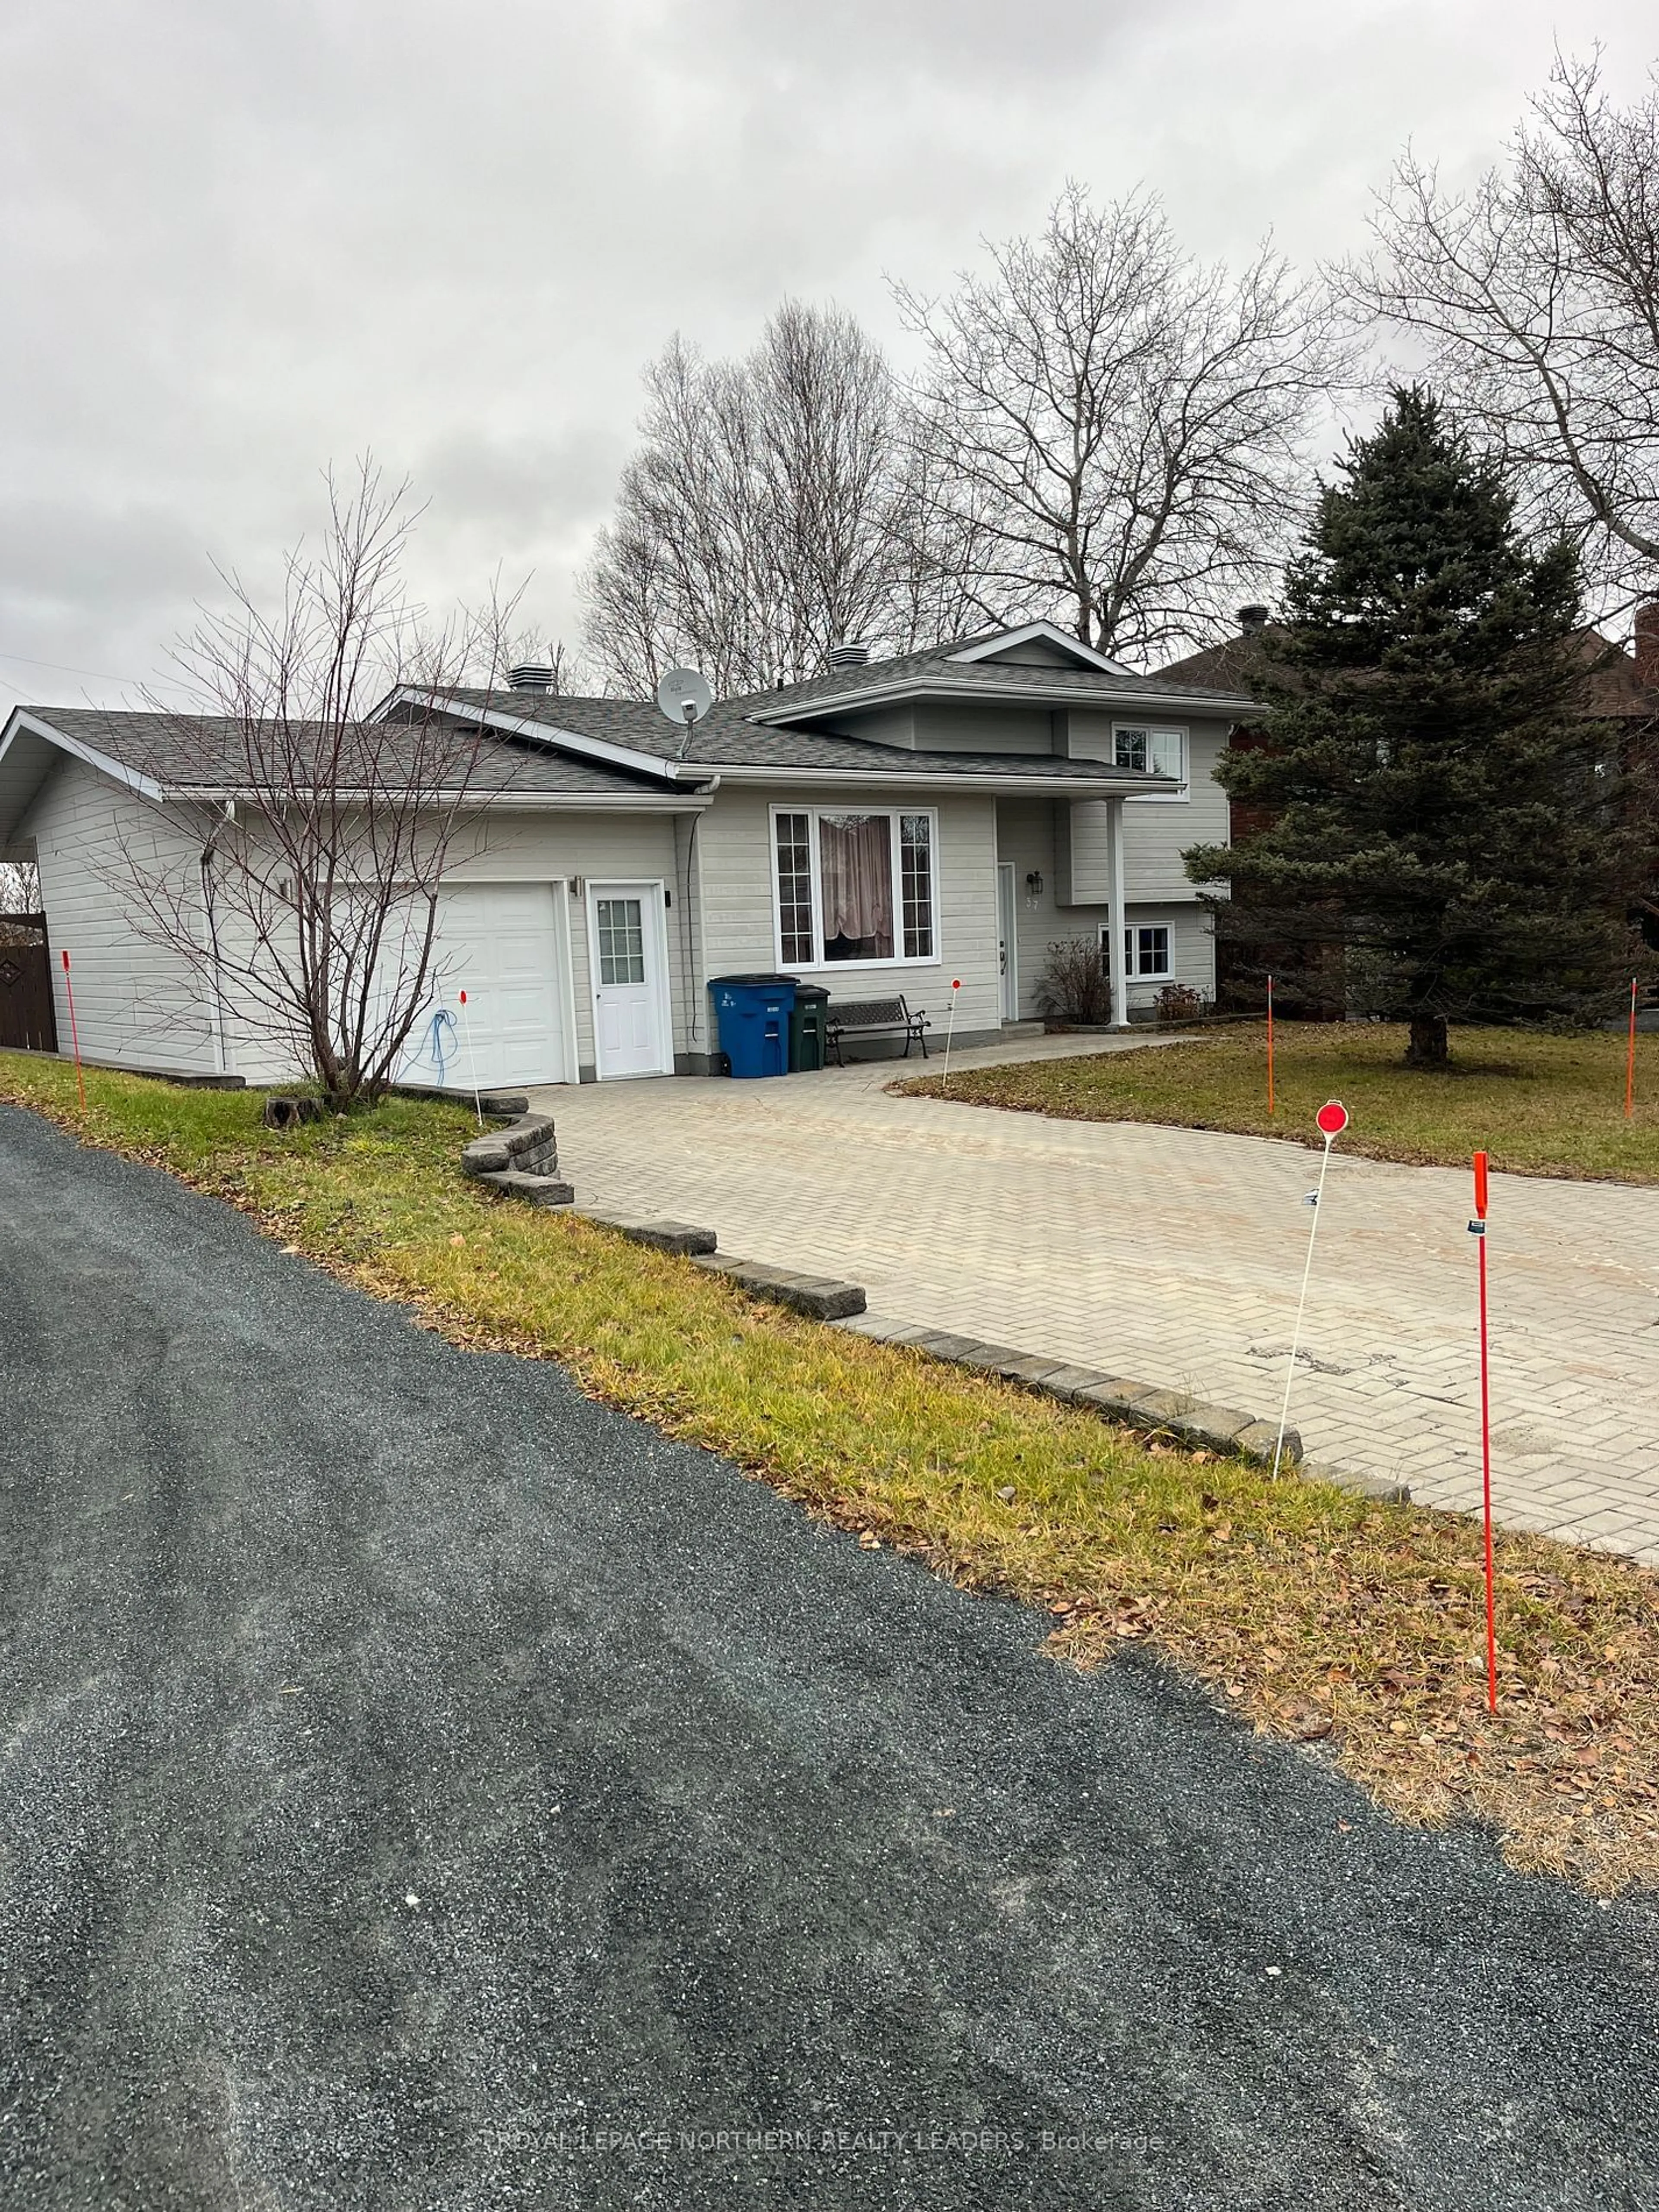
point(1252, 619)
point(1645, 645)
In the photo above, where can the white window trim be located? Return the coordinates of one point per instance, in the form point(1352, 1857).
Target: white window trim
point(1177, 731)
point(1163, 974)
point(934, 959)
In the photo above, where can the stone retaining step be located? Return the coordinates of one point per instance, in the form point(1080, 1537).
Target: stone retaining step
point(538, 1189)
point(679, 1238)
point(818, 1297)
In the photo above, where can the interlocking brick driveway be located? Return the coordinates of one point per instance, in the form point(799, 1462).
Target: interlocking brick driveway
point(1174, 1256)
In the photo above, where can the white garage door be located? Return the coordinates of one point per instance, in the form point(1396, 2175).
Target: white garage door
point(500, 944)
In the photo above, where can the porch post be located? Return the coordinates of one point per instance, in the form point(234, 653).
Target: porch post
point(1116, 910)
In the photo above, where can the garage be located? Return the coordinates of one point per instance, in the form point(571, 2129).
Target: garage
point(503, 945)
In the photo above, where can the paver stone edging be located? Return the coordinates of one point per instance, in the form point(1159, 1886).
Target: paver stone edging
point(520, 1162)
point(1139, 1406)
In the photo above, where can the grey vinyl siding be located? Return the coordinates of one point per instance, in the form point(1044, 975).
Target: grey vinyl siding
point(735, 866)
point(137, 1003)
point(540, 848)
point(595, 848)
point(966, 729)
point(1026, 832)
point(1036, 653)
point(1156, 831)
point(1191, 951)
point(946, 727)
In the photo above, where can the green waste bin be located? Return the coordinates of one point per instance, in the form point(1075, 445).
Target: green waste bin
point(807, 1029)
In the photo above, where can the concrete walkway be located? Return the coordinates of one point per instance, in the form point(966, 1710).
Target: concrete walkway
point(1174, 1256)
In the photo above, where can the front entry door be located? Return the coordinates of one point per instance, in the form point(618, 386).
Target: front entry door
point(1008, 943)
point(628, 952)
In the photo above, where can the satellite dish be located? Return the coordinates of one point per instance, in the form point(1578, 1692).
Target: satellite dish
point(685, 696)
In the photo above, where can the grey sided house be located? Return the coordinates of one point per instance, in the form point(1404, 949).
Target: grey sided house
point(890, 827)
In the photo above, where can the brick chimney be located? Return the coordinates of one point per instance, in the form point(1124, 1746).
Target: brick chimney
point(1646, 645)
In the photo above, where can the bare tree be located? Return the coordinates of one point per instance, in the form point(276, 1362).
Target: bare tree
point(770, 512)
point(319, 832)
point(1535, 297)
point(532, 647)
point(1123, 433)
point(19, 887)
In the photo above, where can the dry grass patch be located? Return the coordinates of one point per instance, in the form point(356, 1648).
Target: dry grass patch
point(1540, 1104)
point(1353, 1628)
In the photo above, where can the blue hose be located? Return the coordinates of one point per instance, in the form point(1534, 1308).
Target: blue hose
point(443, 1018)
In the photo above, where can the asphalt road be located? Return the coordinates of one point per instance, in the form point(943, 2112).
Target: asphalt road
point(423, 1788)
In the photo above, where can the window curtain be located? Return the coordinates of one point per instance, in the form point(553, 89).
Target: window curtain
point(855, 857)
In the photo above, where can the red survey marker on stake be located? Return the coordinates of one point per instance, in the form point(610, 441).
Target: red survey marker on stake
point(75, 1033)
point(1333, 1119)
point(1478, 1227)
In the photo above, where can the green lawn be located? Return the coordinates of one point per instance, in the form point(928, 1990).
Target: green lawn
point(1539, 1104)
point(1311, 1612)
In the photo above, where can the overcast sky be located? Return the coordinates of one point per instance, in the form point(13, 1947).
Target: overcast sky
point(239, 241)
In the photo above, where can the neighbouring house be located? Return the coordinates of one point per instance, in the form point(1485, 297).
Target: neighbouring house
point(893, 826)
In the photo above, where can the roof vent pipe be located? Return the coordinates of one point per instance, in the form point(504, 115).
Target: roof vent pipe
point(529, 675)
point(1251, 618)
point(848, 656)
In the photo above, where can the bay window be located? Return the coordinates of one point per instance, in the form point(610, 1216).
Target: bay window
point(854, 886)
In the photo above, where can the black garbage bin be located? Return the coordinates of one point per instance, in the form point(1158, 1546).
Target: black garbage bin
point(806, 1026)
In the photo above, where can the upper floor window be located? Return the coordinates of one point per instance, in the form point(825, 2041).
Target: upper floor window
point(1151, 752)
point(854, 886)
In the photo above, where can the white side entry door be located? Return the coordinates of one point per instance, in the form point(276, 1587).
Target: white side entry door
point(627, 955)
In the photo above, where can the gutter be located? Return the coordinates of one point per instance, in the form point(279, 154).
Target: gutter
point(695, 799)
point(1215, 703)
point(991, 785)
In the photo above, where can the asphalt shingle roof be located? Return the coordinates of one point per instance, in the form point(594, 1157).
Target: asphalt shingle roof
point(206, 752)
point(940, 667)
point(726, 738)
point(182, 751)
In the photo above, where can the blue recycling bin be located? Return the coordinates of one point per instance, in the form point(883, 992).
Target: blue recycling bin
point(751, 1015)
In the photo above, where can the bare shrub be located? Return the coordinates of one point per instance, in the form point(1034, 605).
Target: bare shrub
point(1074, 986)
point(1178, 1003)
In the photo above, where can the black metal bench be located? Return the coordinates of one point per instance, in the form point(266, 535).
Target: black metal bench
point(862, 1018)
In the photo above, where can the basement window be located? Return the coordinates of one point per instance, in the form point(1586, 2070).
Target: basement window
point(1145, 952)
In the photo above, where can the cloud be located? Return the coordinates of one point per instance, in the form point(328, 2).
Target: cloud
point(241, 242)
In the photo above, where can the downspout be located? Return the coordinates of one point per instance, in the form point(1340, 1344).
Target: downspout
point(689, 927)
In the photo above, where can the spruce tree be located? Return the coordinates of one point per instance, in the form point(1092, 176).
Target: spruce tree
point(1436, 808)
